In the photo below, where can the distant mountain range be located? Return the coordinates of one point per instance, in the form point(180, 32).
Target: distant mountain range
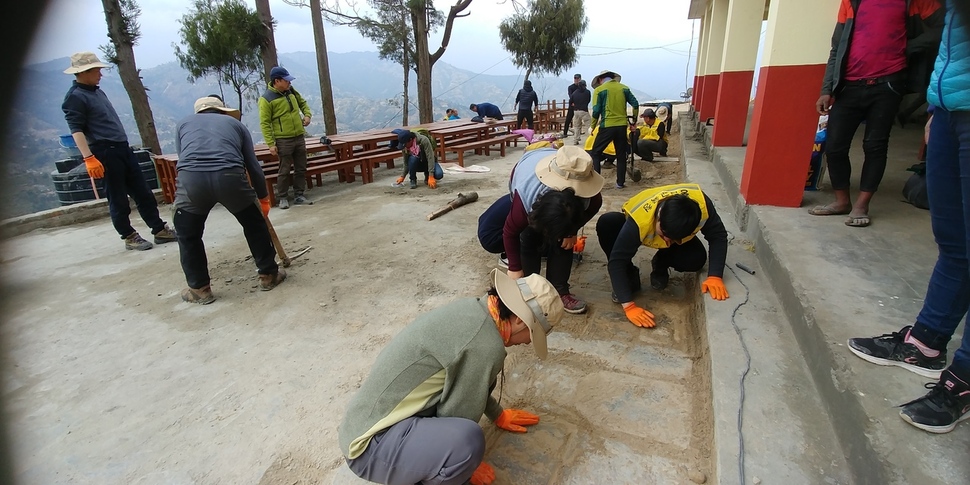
point(367, 95)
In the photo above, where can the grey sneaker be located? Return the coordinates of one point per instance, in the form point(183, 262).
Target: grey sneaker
point(136, 243)
point(300, 199)
point(166, 235)
point(414, 184)
point(202, 296)
point(269, 281)
point(284, 204)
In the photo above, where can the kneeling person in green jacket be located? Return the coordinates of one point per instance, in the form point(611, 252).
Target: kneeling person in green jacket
point(415, 418)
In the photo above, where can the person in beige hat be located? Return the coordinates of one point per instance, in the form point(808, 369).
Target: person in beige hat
point(101, 138)
point(610, 98)
point(415, 417)
point(215, 156)
point(552, 195)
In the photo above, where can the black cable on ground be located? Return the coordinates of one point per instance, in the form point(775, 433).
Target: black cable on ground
point(747, 368)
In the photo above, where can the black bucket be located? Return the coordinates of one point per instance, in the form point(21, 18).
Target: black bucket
point(75, 185)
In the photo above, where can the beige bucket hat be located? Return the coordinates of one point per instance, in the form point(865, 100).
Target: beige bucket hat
point(535, 301)
point(572, 167)
point(210, 102)
point(598, 79)
point(83, 61)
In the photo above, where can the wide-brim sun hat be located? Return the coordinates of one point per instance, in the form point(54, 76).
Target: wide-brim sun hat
point(83, 61)
point(535, 301)
point(572, 167)
point(598, 79)
point(210, 102)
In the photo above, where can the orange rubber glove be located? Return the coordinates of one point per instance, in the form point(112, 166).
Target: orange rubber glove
point(715, 286)
point(264, 204)
point(483, 475)
point(399, 181)
point(580, 244)
point(432, 183)
point(95, 169)
point(638, 316)
point(515, 420)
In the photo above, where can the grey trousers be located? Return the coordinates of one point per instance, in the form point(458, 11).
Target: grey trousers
point(292, 153)
point(195, 195)
point(429, 451)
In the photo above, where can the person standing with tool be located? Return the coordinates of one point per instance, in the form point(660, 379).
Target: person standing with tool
point(103, 143)
point(665, 218)
point(415, 417)
point(610, 98)
point(283, 116)
point(215, 156)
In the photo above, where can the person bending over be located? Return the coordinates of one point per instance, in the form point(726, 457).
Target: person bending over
point(415, 417)
point(665, 218)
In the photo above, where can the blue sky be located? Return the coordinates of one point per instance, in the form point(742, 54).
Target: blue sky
point(647, 41)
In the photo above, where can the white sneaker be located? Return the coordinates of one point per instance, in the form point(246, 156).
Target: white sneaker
point(503, 261)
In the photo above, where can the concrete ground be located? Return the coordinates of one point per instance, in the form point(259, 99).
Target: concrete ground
point(835, 282)
point(111, 378)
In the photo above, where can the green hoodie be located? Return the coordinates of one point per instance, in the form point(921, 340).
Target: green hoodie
point(441, 365)
point(281, 114)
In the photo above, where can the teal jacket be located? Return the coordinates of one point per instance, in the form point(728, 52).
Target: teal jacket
point(609, 104)
point(281, 114)
point(444, 364)
point(950, 82)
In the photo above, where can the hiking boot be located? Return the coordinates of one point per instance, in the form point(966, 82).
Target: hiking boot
point(202, 296)
point(284, 204)
point(659, 277)
point(939, 411)
point(900, 350)
point(608, 164)
point(414, 184)
point(300, 199)
point(572, 304)
point(137, 243)
point(166, 235)
point(503, 260)
point(269, 281)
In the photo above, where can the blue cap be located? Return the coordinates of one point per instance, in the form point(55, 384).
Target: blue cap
point(279, 72)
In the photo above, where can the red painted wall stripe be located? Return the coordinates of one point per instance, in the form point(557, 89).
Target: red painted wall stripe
point(731, 111)
point(710, 96)
point(782, 132)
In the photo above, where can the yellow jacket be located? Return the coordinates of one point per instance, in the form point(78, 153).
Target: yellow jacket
point(642, 208)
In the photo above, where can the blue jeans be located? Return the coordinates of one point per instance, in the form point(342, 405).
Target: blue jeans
point(416, 164)
point(123, 177)
point(948, 186)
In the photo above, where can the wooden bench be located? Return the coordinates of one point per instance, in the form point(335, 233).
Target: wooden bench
point(371, 159)
point(480, 145)
point(317, 165)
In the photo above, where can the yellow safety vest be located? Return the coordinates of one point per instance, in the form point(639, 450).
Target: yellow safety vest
point(649, 132)
point(643, 209)
point(610, 150)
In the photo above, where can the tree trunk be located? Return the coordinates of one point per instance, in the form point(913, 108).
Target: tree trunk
point(130, 76)
point(528, 72)
point(267, 50)
point(406, 63)
point(419, 19)
point(323, 68)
